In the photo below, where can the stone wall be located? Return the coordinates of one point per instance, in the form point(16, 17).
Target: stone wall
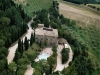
point(51, 40)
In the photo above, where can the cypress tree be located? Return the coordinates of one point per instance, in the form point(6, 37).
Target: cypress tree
point(22, 47)
point(31, 39)
point(34, 36)
point(26, 43)
point(17, 56)
point(19, 46)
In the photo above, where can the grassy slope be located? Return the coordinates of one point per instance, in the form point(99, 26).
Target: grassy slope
point(31, 6)
point(96, 5)
point(89, 35)
point(81, 7)
point(84, 15)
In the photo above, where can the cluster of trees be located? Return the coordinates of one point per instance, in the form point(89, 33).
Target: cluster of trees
point(43, 17)
point(65, 55)
point(23, 46)
point(12, 26)
point(80, 49)
point(22, 56)
point(82, 1)
point(34, 24)
point(94, 7)
point(52, 60)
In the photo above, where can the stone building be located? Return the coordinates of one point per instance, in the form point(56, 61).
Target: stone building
point(46, 35)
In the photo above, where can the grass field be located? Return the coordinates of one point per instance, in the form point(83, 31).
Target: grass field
point(87, 29)
point(83, 15)
point(31, 6)
point(90, 37)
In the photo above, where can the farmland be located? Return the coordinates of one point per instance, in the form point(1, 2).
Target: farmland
point(31, 6)
point(83, 15)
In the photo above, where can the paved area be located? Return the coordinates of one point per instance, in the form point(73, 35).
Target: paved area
point(61, 66)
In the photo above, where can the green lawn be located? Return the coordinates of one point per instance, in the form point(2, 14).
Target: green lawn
point(32, 49)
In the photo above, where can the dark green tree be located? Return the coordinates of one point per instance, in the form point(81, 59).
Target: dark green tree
point(26, 45)
point(17, 56)
point(31, 39)
point(34, 36)
point(19, 46)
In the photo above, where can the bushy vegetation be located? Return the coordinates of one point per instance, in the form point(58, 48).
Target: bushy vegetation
point(82, 1)
point(94, 6)
point(65, 55)
point(84, 44)
point(12, 27)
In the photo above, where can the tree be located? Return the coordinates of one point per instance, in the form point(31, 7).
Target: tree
point(54, 48)
point(2, 65)
point(31, 39)
point(4, 51)
point(51, 62)
point(30, 56)
point(5, 21)
point(17, 56)
point(37, 72)
point(65, 55)
point(1, 43)
point(34, 36)
point(1, 13)
point(54, 25)
point(12, 67)
point(20, 72)
point(23, 61)
point(20, 47)
point(33, 25)
point(26, 45)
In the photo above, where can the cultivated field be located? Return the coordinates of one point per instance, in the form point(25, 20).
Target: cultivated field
point(83, 15)
point(31, 6)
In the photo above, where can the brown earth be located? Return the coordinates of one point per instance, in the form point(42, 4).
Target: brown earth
point(81, 15)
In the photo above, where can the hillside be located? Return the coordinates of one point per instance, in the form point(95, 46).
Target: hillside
point(86, 30)
point(82, 14)
point(31, 6)
point(83, 1)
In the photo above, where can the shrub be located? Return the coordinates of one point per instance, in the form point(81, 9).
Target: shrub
point(65, 55)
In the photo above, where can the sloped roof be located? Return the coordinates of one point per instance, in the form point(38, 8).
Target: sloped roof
point(46, 31)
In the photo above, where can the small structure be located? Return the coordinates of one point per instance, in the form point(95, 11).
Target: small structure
point(62, 41)
point(66, 46)
point(40, 25)
point(46, 35)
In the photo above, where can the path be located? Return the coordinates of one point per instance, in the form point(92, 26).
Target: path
point(61, 66)
point(12, 50)
point(29, 70)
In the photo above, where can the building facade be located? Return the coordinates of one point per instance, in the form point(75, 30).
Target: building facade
point(47, 36)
